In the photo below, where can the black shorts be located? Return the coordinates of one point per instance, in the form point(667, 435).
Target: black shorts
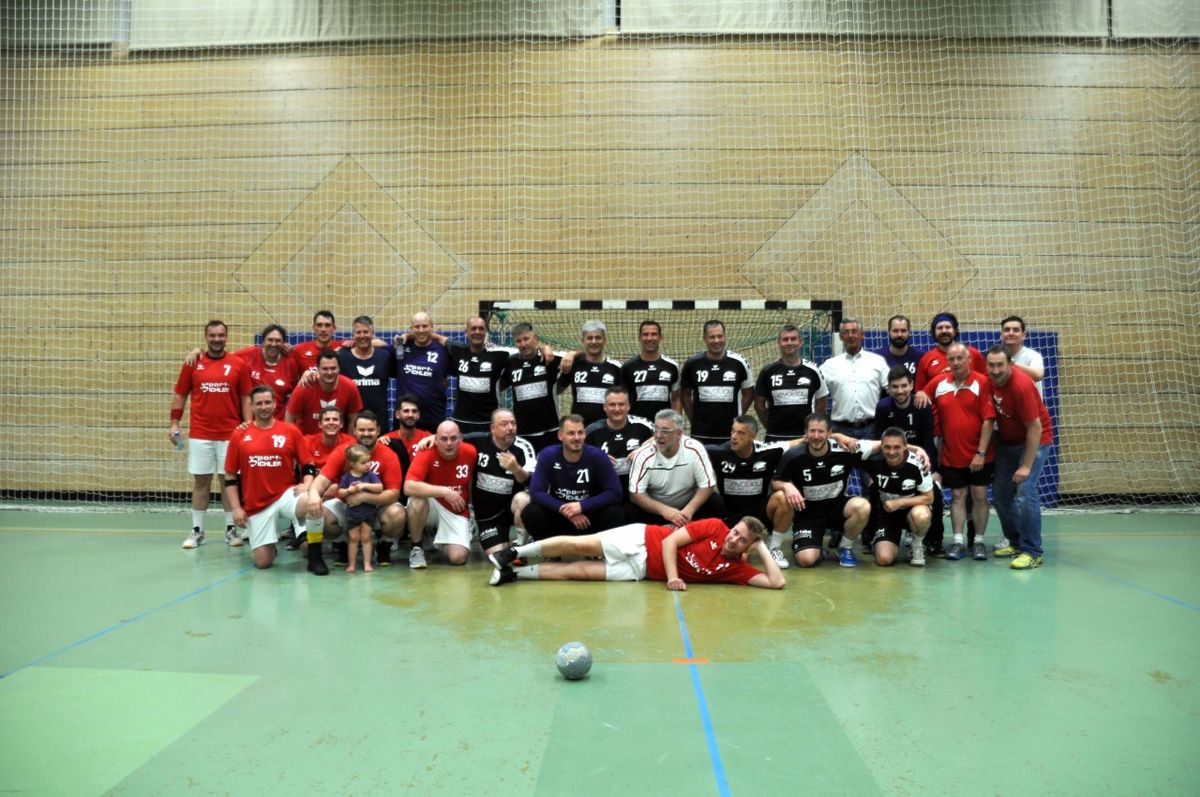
point(494, 531)
point(810, 524)
point(958, 478)
point(888, 526)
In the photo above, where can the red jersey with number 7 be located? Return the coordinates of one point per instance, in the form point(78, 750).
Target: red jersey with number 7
point(266, 460)
point(429, 467)
point(216, 387)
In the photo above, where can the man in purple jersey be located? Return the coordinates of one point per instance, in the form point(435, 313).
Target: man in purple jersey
point(421, 370)
point(574, 489)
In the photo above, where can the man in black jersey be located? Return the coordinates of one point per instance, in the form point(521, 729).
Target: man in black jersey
point(744, 468)
point(789, 389)
point(813, 479)
point(503, 465)
point(532, 381)
point(619, 434)
point(651, 377)
point(899, 410)
point(590, 375)
point(477, 370)
point(717, 387)
point(901, 496)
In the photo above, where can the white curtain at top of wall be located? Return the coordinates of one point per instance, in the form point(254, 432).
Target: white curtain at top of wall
point(1158, 19)
point(952, 18)
point(59, 23)
point(216, 23)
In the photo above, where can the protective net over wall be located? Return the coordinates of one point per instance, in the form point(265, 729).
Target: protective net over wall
point(165, 163)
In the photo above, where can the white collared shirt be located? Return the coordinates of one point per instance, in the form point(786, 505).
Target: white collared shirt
point(856, 383)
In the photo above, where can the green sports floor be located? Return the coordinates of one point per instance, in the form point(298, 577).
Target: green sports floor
point(132, 667)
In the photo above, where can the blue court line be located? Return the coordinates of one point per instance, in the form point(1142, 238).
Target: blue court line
point(1130, 584)
point(130, 621)
point(713, 753)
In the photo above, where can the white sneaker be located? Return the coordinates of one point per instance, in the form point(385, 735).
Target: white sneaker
point(918, 554)
point(233, 537)
point(194, 540)
point(416, 558)
point(780, 559)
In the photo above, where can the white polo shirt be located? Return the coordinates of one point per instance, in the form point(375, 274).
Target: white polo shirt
point(856, 383)
point(672, 480)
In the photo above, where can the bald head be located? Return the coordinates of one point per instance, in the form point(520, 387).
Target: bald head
point(422, 328)
point(447, 439)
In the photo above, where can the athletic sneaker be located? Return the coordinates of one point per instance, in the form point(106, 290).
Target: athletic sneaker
point(979, 551)
point(935, 550)
point(246, 533)
point(1004, 551)
point(194, 540)
point(341, 554)
point(956, 551)
point(232, 537)
point(918, 556)
point(383, 553)
point(846, 558)
point(501, 576)
point(780, 559)
point(1026, 562)
point(295, 543)
point(416, 558)
point(504, 557)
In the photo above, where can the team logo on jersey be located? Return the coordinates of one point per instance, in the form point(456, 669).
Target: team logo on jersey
point(558, 466)
point(759, 467)
point(804, 380)
point(280, 383)
point(326, 404)
point(663, 376)
point(247, 439)
point(365, 370)
point(539, 370)
point(836, 470)
point(730, 376)
point(608, 379)
point(908, 484)
point(484, 367)
point(199, 366)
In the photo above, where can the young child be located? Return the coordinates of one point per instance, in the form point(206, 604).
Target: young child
point(359, 517)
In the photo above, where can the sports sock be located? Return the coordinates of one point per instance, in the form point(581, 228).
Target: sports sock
point(316, 528)
point(527, 571)
point(776, 541)
point(228, 519)
point(958, 539)
point(846, 542)
point(198, 519)
point(531, 551)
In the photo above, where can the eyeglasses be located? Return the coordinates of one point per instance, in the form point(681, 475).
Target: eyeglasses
point(665, 431)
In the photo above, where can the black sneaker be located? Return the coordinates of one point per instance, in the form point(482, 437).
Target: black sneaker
point(295, 543)
point(501, 576)
point(503, 558)
point(341, 554)
point(383, 553)
point(936, 550)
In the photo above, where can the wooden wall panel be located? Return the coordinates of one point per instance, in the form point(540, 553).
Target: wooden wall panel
point(140, 198)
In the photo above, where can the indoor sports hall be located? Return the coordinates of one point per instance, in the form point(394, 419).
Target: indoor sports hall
point(806, 162)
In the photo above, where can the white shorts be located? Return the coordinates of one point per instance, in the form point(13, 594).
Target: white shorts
point(452, 528)
point(624, 552)
point(264, 526)
point(206, 457)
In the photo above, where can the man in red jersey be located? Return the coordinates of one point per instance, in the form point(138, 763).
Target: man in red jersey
point(322, 513)
point(260, 476)
point(439, 493)
point(219, 386)
point(1023, 437)
point(330, 390)
point(269, 366)
point(962, 420)
point(323, 328)
point(702, 551)
point(407, 435)
point(935, 362)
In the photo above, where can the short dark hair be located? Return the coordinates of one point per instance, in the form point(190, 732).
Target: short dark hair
point(408, 398)
point(334, 409)
point(616, 389)
point(998, 348)
point(903, 318)
point(261, 389)
point(215, 323)
point(749, 420)
point(899, 372)
point(1016, 318)
point(573, 418)
point(817, 416)
point(366, 415)
point(327, 354)
point(327, 313)
point(894, 431)
point(713, 322)
point(269, 328)
point(787, 328)
point(521, 328)
point(650, 323)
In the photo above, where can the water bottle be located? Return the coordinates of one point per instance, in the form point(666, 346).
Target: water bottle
point(177, 438)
